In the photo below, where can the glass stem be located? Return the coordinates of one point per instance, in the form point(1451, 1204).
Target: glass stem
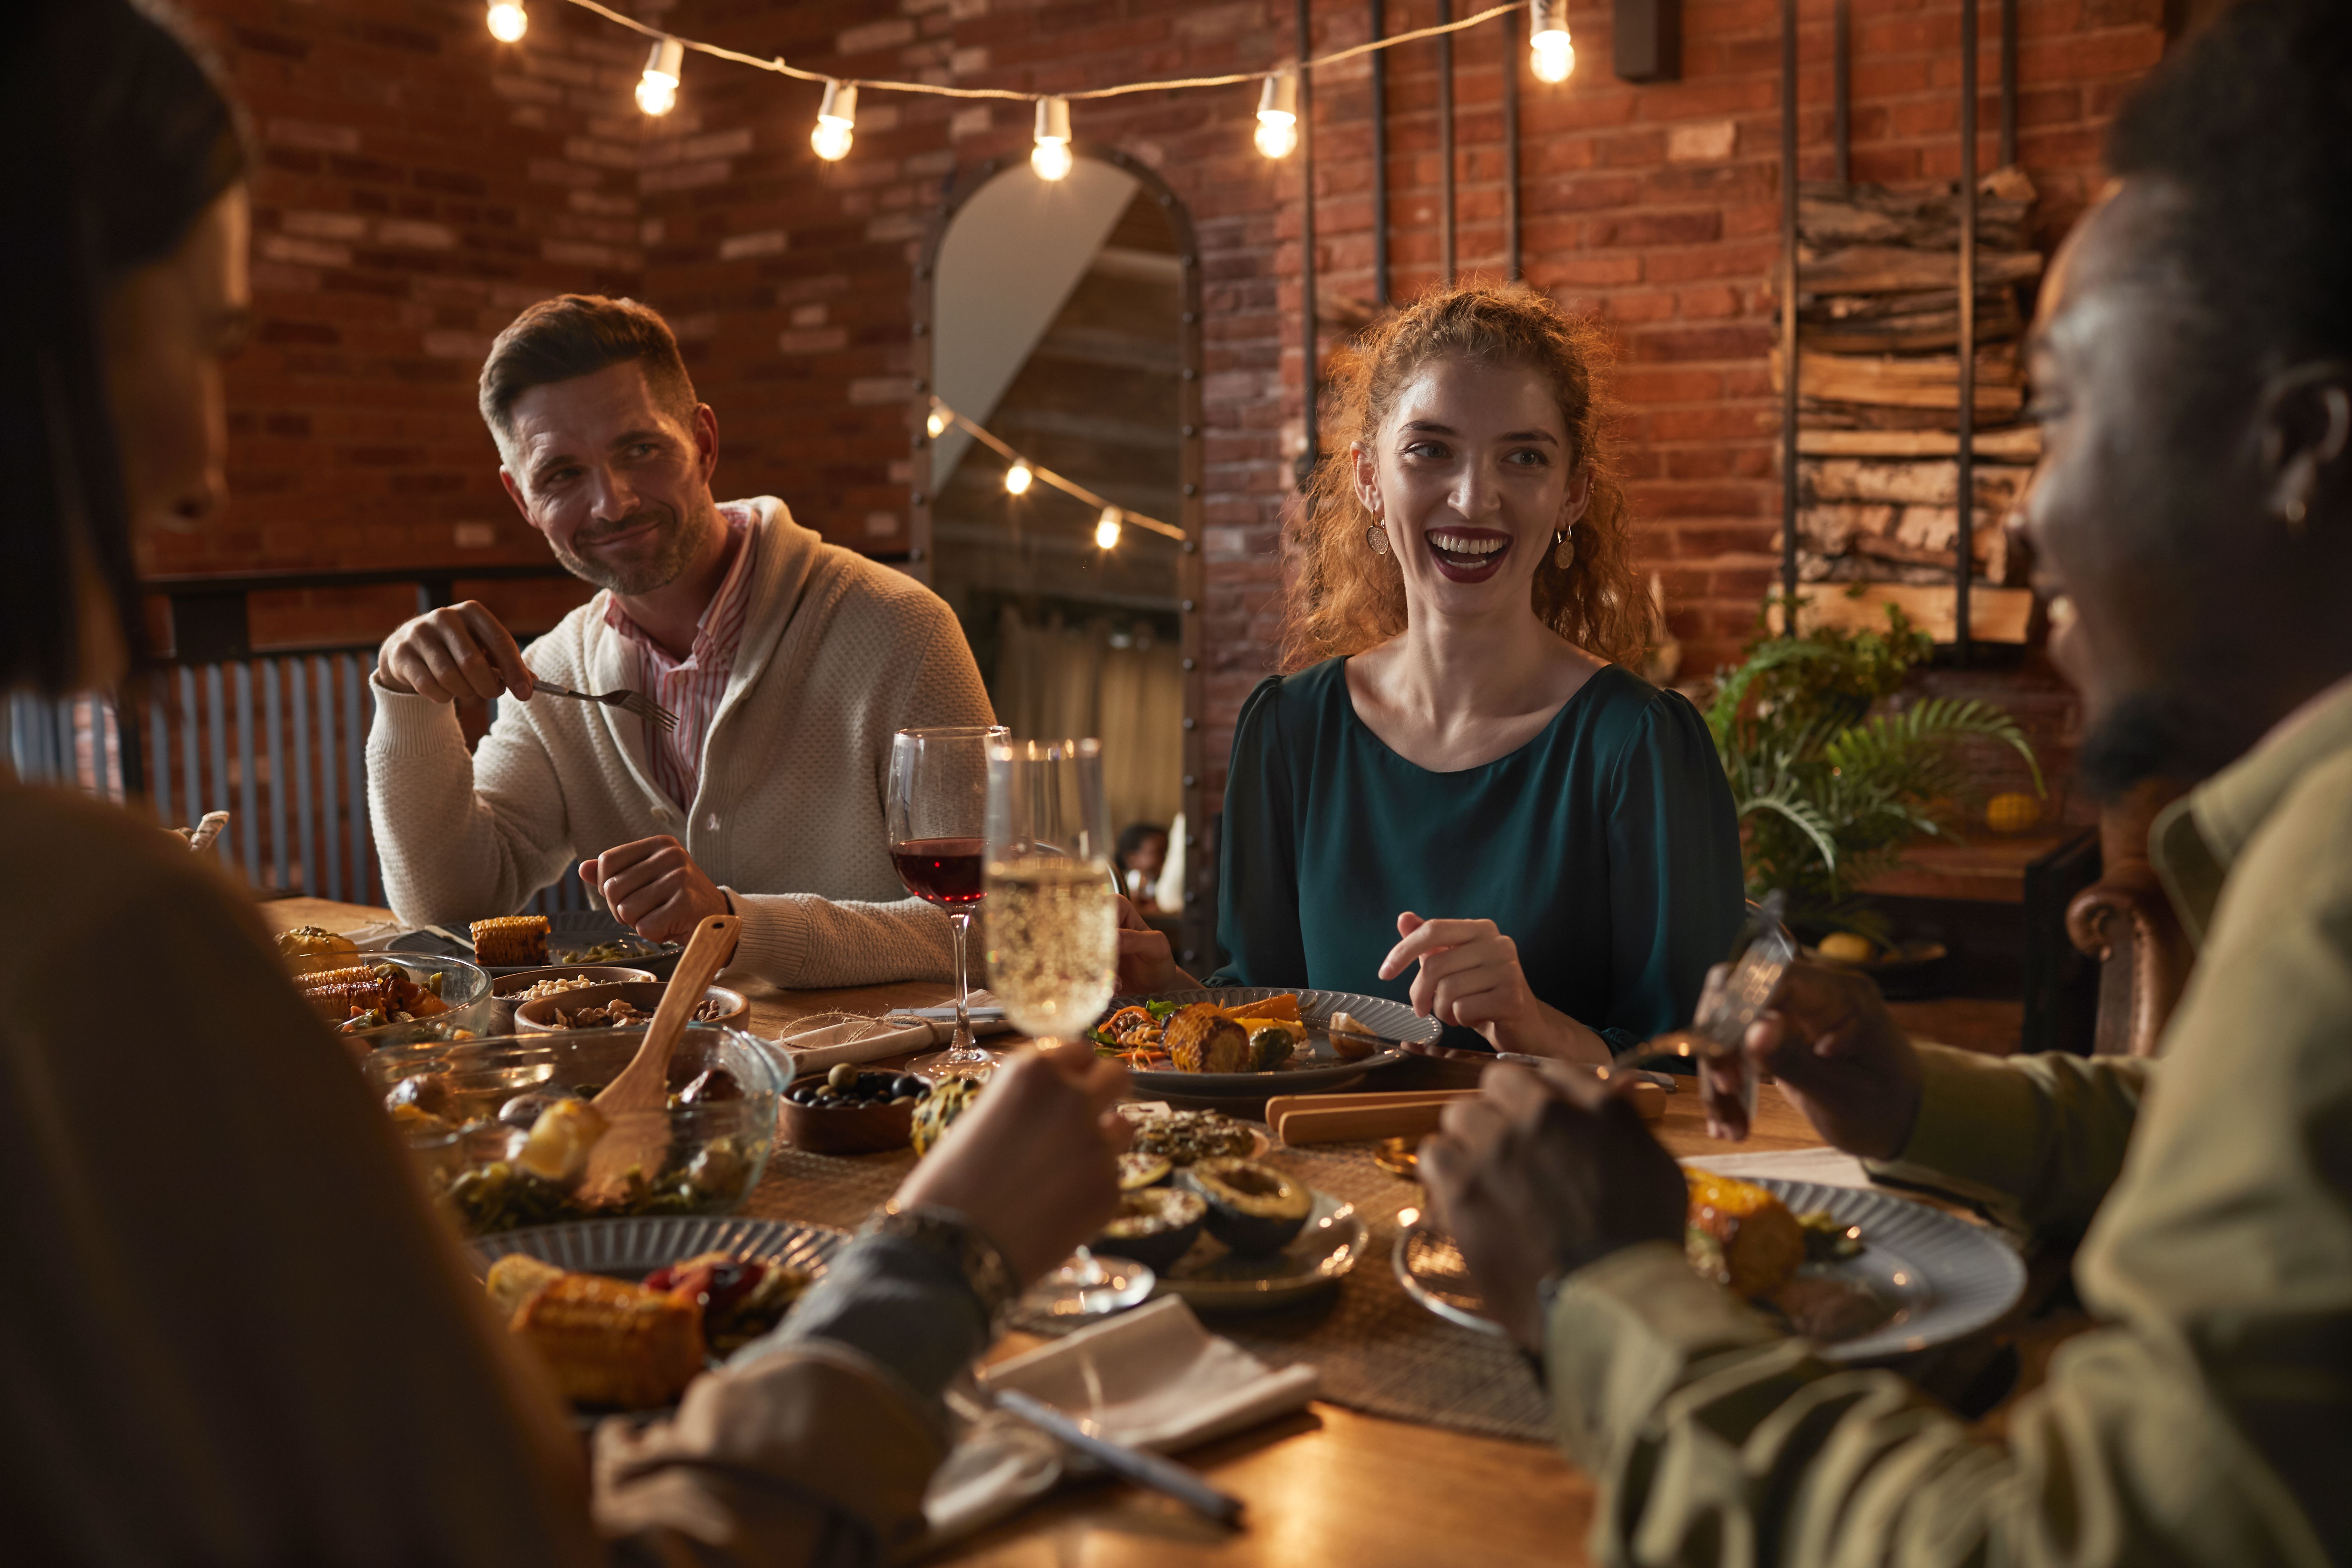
point(962, 923)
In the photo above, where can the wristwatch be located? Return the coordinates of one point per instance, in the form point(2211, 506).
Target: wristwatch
point(955, 1240)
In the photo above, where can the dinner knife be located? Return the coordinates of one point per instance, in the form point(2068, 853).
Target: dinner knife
point(1137, 1465)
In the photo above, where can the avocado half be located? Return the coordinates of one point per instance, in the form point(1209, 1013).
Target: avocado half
point(1156, 1226)
point(1253, 1209)
point(1138, 1170)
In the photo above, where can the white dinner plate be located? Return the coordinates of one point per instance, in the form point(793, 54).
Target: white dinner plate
point(1945, 1277)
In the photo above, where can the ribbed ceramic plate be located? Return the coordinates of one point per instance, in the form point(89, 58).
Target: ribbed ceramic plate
point(1211, 1277)
point(1944, 1276)
point(569, 933)
point(632, 1247)
point(1321, 1069)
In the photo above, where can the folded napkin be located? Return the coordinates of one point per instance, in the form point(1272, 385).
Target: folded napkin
point(1153, 1378)
point(815, 1043)
point(1829, 1168)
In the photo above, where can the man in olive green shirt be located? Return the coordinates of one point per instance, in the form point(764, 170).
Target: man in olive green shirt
point(2193, 522)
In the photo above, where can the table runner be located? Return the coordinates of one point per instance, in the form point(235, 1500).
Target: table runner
point(1378, 1351)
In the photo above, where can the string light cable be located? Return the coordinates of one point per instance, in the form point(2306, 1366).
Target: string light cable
point(1112, 517)
point(1552, 58)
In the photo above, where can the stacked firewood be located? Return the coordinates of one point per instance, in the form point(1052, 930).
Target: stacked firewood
point(1878, 328)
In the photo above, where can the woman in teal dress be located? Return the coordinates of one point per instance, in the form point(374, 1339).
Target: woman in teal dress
point(1460, 796)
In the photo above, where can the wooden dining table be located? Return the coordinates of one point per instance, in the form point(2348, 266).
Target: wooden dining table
point(1327, 1486)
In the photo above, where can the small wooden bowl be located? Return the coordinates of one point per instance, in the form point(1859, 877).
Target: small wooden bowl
point(538, 1017)
point(866, 1129)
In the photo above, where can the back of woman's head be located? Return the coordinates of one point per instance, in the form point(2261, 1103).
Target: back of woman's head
point(121, 140)
point(1341, 597)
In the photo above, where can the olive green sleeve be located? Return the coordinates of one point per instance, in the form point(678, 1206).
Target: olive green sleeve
point(2038, 1141)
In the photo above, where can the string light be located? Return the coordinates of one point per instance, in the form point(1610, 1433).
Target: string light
point(834, 117)
point(1108, 527)
point(1278, 115)
point(508, 21)
point(1554, 57)
point(657, 89)
point(1051, 157)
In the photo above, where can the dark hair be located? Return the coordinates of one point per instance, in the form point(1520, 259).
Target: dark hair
point(579, 334)
point(145, 139)
point(1134, 836)
point(2248, 123)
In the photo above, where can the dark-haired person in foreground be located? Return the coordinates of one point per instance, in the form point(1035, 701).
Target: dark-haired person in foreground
point(234, 1332)
point(2192, 523)
point(789, 662)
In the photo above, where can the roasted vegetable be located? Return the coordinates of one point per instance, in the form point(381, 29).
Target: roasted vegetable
point(1138, 1170)
point(1253, 1209)
point(1156, 1226)
point(1185, 1136)
point(511, 941)
point(515, 1279)
point(314, 942)
point(613, 1344)
point(1739, 1235)
point(1200, 1039)
point(339, 996)
point(1270, 1047)
point(948, 1100)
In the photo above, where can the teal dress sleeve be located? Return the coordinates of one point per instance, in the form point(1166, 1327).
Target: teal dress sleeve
point(1257, 854)
point(1676, 893)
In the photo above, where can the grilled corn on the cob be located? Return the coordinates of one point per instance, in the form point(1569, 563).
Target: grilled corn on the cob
point(1739, 1235)
point(510, 939)
point(613, 1344)
point(1200, 1039)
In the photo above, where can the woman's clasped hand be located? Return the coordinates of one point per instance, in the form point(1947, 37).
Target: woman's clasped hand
point(1469, 976)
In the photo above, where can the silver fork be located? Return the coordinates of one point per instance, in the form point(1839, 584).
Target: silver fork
point(635, 702)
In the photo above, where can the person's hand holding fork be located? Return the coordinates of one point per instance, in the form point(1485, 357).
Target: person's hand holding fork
point(456, 652)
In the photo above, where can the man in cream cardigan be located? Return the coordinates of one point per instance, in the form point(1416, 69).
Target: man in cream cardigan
point(788, 661)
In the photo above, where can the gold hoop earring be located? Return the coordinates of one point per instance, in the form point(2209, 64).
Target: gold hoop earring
point(1376, 539)
point(2295, 512)
point(1563, 554)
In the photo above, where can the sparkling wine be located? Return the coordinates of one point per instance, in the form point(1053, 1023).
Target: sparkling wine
point(947, 871)
point(1053, 942)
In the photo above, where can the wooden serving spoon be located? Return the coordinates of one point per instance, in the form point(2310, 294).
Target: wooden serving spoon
point(635, 1105)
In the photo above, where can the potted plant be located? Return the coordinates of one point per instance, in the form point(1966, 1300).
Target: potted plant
point(1829, 793)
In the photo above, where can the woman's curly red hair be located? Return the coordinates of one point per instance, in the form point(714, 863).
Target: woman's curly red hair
point(1340, 598)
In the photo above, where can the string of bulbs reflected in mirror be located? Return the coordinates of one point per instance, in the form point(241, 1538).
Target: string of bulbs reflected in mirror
point(1020, 473)
point(1552, 56)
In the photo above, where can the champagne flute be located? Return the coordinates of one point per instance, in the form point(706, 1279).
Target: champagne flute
point(935, 807)
point(1053, 943)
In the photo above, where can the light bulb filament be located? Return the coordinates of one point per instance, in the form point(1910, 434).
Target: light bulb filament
point(1017, 477)
point(1107, 530)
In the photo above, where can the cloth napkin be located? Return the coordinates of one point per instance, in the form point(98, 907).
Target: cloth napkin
point(1153, 1378)
point(1829, 1168)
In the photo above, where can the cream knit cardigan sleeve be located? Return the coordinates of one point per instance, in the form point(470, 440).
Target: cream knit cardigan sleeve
point(838, 653)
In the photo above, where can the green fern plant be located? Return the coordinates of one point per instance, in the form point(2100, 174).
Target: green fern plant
point(1829, 793)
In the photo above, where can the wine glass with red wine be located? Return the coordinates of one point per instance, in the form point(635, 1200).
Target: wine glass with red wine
point(938, 811)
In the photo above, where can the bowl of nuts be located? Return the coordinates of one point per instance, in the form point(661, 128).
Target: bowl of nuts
point(631, 1005)
point(853, 1110)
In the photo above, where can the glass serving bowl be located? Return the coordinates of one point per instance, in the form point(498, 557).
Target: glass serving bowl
point(463, 987)
point(718, 1147)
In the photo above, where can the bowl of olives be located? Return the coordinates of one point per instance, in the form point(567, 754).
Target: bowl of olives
point(853, 1110)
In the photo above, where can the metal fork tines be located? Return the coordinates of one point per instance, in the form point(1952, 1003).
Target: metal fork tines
point(635, 702)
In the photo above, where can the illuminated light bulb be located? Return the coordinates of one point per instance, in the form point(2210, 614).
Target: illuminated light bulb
point(508, 21)
point(1017, 477)
point(938, 423)
point(1051, 157)
point(1107, 530)
point(1554, 57)
point(657, 89)
point(834, 117)
point(1278, 115)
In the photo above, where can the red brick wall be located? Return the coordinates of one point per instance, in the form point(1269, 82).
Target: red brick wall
point(1655, 207)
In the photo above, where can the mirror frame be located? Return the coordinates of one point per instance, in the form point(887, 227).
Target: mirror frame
point(1196, 939)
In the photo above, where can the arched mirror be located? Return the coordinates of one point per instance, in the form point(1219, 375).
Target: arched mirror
point(1057, 487)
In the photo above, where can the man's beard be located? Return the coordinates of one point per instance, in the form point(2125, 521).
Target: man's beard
point(2148, 735)
point(674, 551)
